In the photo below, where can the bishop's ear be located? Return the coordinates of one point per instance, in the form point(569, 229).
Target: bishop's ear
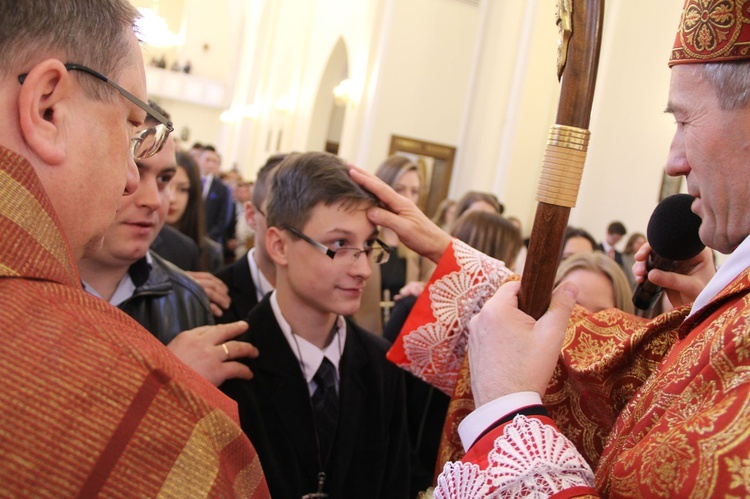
point(43, 108)
point(277, 245)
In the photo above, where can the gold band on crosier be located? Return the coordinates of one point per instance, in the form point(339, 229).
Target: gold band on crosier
point(562, 167)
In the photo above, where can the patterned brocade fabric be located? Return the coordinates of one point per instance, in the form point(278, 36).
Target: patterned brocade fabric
point(92, 404)
point(712, 31)
point(659, 408)
point(606, 357)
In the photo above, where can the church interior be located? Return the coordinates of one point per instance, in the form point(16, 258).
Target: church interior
point(467, 86)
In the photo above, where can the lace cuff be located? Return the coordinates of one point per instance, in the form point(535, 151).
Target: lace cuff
point(433, 342)
point(529, 459)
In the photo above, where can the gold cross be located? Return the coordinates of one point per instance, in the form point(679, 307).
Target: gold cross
point(387, 304)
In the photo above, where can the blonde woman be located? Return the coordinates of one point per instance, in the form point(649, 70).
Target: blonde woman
point(601, 282)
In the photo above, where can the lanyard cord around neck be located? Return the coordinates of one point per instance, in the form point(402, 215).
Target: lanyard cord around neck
point(322, 466)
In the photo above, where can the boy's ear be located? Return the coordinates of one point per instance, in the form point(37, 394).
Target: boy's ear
point(277, 245)
point(43, 109)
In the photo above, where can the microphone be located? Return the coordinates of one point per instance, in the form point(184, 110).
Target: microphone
point(673, 235)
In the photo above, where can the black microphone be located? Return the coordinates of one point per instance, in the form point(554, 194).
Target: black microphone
point(673, 235)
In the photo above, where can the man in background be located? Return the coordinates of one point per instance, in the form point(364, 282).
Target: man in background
point(217, 198)
point(615, 232)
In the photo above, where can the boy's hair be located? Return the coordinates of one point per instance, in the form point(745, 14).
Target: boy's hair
point(302, 181)
point(263, 179)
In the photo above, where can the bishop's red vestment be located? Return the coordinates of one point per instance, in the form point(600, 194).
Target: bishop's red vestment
point(657, 408)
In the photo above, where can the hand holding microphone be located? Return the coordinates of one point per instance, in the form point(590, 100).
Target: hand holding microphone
point(673, 235)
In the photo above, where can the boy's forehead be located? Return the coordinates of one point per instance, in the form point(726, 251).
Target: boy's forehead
point(341, 215)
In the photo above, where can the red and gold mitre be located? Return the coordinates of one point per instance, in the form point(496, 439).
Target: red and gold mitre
point(712, 31)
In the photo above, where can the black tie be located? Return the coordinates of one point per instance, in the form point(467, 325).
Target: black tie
point(325, 404)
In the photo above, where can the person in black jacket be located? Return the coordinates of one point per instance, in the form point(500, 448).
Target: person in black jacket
point(163, 298)
point(253, 275)
point(217, 197)
point(325, 410)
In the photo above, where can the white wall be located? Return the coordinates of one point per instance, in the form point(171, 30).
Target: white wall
point(423, 74)
point(514, 97)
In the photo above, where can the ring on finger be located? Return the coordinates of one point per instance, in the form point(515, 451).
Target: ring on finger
point(226, 349)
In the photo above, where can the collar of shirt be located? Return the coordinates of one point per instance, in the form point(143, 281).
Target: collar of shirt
point(309, 356)
point(262, 286)
point(125, 288)
point(207, 184)
point(737, 262)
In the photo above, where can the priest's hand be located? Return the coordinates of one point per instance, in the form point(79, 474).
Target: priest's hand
point(403, 217)
point(209, 351)
point(510, 352)
point(686, 282)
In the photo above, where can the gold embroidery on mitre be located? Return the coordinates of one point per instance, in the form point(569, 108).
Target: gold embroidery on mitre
point(712, 30)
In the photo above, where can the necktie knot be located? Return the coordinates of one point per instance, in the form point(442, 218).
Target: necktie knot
point(325, 376)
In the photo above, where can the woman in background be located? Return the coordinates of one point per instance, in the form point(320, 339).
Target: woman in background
point(479, 201)
point(404, 268)
point(445, 214)
point(495, 235)
point(602, 284)
point(186, 212)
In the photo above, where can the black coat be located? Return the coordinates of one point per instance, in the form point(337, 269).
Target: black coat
point(370, 457)
point(242, 291)
point(218, 206)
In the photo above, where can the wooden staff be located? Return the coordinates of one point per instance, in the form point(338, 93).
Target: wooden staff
point(580, 23)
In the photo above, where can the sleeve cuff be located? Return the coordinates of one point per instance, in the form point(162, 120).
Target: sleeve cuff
point(485, 416)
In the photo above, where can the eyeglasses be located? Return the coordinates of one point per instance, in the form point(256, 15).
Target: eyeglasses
point(347, 256)
point(145, 143)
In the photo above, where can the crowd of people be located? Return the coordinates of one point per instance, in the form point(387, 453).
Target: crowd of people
point(171, 328)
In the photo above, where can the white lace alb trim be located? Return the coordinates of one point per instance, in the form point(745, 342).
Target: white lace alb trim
point(530, 459)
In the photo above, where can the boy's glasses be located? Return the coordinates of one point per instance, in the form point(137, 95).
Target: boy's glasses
point(144, 143)
point(347, 256)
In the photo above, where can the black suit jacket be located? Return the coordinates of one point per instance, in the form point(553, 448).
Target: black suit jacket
point(242, 291)
point(370, 456)
point(217, 206)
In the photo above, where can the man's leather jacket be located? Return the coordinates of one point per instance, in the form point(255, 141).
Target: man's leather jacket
point(166, 300)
